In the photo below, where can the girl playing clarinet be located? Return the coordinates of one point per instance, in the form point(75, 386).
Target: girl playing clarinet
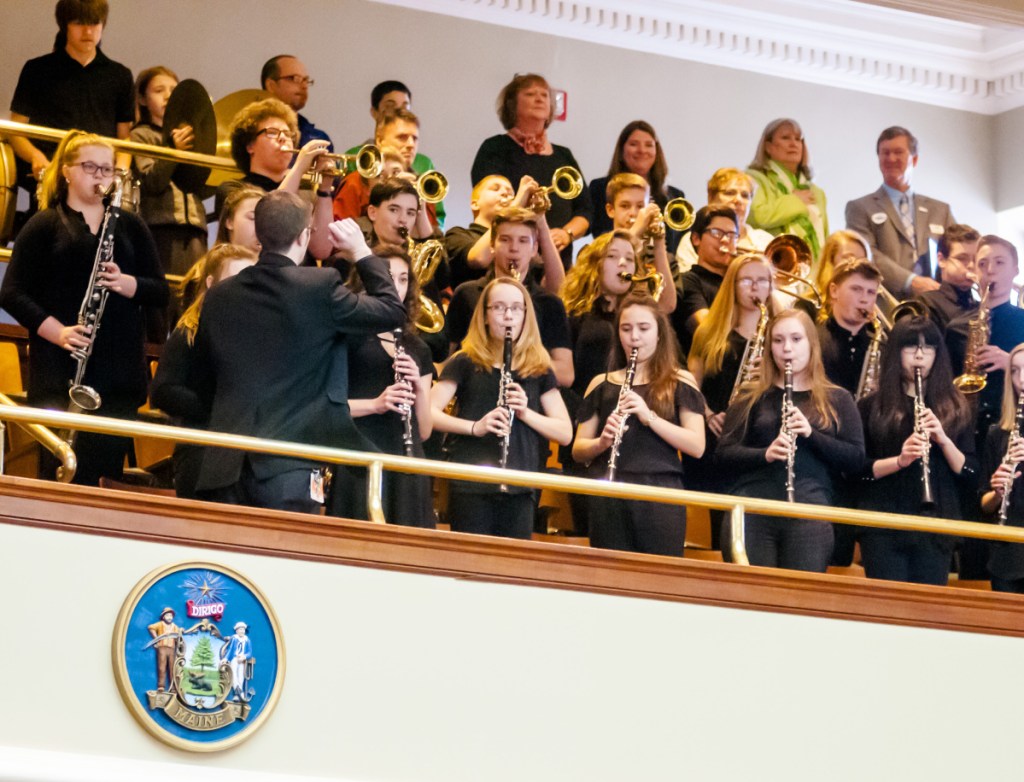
point(487, 433)
point(390, 401)
point(904, 437)
point(639, 417)
point(824, 440)
point(1000, 466)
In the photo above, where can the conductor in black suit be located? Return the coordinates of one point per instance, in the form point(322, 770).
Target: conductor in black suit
point(272, 359)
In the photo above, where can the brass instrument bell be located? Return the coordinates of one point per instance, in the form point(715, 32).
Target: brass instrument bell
point(566, 183)
point(432, 187)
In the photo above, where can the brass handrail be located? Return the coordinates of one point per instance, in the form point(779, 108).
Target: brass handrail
point(50, 441)
point(40, 133)
point(739, 506)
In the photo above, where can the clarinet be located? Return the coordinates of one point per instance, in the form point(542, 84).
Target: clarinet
point(504, 383)
point(787, 407)
point(84, 398)
point(405, 409)
point(1004, 503)
point(627, 386)
point(927, 500)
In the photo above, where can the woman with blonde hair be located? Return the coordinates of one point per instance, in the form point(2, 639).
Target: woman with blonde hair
point(174, 390)
point(533, 413)
point(786, 200)
point(823, 426)
point(46, 282)
point(841, 246)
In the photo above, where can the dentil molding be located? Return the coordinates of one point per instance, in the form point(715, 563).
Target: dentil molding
point(879, 50)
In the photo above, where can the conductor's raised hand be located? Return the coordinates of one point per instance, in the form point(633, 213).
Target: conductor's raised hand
point(348, 240)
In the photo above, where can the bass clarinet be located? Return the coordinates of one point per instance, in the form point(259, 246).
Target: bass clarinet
point(927, 500)
point(1004, 503)
point(503, 386)
point(787, 408)
point(627, 386)
point(405, 409)
point(85, 398)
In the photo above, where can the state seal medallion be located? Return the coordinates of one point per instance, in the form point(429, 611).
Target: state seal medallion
point(198, 656)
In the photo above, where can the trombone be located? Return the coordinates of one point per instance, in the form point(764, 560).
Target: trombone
point(786, 253)
point(566, 183)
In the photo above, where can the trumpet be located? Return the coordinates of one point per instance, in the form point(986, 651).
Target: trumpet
point(654, 281)
point(678, 216)
point(974, 378)
point(432, 187)
point(368, 161)
point(566, 183)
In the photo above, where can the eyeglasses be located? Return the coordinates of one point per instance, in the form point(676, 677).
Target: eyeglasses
point(92, 168)
point(501, 309)
point(275, 134)
point(303, 81)
point(926, 350)
point(719, 234)
point(747, 283)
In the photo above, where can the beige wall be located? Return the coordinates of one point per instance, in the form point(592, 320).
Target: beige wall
point(708, 116)
point(396, 676)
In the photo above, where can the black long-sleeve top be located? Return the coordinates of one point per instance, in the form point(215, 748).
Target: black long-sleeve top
point(174, 390)
point(717, 387)
point(821, 459)
point(901, 492)
point(51, 265)
point(1006, 560)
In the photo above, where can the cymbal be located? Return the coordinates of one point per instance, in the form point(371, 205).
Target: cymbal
point(226, 108)
point(190, 104)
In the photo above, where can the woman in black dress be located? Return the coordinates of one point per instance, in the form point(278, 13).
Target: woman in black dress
point(47, 279)
point(385, 392)
point(526, 110)
point(893, 472)
point(753, 449)
point(478, 424)
point(664, 412)
point(1006, 560)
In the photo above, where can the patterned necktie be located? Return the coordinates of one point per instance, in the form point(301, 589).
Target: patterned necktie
point(908, 219)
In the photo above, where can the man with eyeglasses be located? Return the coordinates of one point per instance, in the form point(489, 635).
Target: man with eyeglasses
point(517, 237)
point(713, 235)
point(263, 136)
point(955, 252)
point(286, 78)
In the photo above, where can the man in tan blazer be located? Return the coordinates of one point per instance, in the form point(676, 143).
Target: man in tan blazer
point(900, 225)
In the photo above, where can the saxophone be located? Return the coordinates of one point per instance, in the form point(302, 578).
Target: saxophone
point(405, 409)
point(503, 385)
point(927, 500)
point(871, 368)
point(84, 398)
point(1004, 503)
point(751, 353)
point(974, 378)
point(627, 386)
point(787, 407)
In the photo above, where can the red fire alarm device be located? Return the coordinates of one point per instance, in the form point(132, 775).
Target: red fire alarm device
point(561, 99)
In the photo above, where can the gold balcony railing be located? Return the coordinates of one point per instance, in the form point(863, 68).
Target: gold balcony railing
point(377, 462)
point(49, 440)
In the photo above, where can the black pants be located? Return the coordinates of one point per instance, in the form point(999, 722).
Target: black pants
point(284, 491)
point(793, 544)
point(1015, 585)
point(634, 525)
point(915, 557)
point(503, 515)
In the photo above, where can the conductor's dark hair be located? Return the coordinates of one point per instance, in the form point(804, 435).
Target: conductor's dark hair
point(382, 89)
point(280, 218)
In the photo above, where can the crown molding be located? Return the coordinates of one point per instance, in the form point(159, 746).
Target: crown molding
point(872, 49)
